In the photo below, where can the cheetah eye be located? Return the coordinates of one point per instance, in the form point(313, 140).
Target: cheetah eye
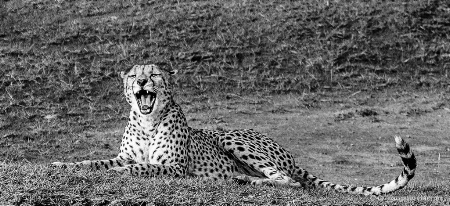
point(132, 76)
point(155, 75)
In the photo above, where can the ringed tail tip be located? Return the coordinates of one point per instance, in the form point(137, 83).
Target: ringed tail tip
point(399, 142)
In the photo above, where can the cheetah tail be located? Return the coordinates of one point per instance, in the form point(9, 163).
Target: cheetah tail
point(409, 162)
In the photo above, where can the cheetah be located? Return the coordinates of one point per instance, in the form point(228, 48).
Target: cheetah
point(158, 142)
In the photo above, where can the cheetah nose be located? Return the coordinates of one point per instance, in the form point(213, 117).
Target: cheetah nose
point(141, 82)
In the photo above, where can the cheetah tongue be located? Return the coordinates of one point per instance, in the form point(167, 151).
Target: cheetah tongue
point(146, 102)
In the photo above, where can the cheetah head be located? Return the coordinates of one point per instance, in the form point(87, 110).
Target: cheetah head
point(146, 88)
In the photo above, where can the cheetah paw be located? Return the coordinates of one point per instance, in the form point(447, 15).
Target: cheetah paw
point(297, 184)
point(61, 164)
point(242, 180)
point(119, 170)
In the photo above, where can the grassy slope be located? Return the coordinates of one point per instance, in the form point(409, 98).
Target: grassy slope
point(34, 184)
point(59, 61)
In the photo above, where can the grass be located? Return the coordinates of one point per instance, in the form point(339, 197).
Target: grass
point(221, 45)
point(46, 186)
point(61, 95)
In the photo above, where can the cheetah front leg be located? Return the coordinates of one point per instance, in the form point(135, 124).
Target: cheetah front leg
point(152, 170)
point(120, 161)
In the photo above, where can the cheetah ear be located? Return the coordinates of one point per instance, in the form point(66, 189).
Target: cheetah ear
point(122, 74)
point(173, 72)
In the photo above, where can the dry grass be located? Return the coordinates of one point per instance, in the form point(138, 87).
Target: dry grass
point(40, 185)
point(221, 45)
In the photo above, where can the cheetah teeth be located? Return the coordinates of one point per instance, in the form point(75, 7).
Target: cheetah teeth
point(145, 100)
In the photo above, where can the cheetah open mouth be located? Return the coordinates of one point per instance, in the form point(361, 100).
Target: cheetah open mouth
point(145, 100)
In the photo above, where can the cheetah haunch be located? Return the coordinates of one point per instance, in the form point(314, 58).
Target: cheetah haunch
point(158, 141)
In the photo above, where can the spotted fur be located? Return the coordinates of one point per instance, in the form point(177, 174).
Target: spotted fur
point(158, 141)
